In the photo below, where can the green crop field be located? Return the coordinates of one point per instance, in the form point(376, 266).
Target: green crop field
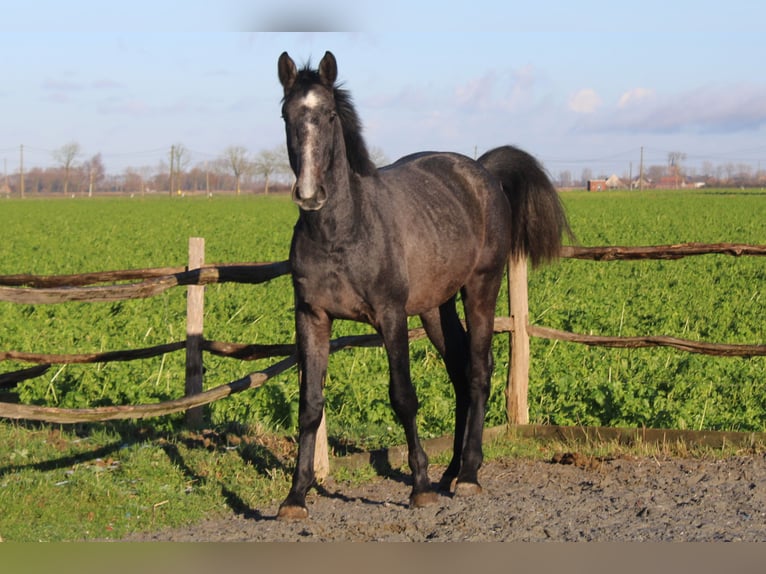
point(713, 298)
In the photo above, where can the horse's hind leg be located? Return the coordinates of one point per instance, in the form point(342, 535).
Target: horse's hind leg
point(479, 298)
point(447, 334)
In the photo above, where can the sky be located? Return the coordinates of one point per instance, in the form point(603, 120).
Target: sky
point(586, 84)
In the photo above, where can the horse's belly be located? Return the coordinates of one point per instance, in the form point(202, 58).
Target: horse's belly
point(433, 281)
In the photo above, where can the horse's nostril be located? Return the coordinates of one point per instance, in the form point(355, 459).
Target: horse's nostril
point(311, 203)
point(296, 192)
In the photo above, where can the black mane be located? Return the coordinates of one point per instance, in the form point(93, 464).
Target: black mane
point(356, 149)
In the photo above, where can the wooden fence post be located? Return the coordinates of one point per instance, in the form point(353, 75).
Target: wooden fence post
point(321, 452)
point(195, 306)
point(518, 373)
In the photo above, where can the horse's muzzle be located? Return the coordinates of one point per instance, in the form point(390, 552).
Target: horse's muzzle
point(312, 203)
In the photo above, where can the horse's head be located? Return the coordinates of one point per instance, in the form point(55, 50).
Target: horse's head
point(322, 126)
point(310, 116)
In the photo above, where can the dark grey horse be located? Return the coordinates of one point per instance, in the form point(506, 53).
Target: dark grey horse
point(378, 245)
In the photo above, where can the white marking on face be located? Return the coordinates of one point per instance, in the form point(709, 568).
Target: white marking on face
point(307, 183)
point(311, 100)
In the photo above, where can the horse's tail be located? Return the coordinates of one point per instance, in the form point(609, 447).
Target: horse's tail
point(538, 219)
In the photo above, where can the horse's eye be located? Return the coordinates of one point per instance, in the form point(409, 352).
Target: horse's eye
point(333, 115)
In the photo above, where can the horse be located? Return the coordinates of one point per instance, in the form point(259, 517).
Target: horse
point(377, 245)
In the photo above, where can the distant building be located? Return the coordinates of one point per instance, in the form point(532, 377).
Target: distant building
point(614, 182)
point(639, 183)
point(671, 182)
point(596, 185)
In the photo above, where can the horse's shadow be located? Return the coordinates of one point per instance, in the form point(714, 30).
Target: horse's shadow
point(264, 461)
point(261, 459)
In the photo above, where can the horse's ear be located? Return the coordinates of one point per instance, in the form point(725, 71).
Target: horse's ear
point(287, 71)
point(328, 69)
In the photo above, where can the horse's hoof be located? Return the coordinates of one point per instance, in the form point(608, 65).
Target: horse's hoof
point(447, 484)
point(467, 489)
point(422, 499)
point(291, 512)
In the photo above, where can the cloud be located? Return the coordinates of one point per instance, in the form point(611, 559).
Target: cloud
point(635, 96)
point(52, 85)
point(477, 92)
point(729, 108)
point(498, 91)
point(586, 101)
point(107, 84)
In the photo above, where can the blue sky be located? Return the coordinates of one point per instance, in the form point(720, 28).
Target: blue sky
point(580, 84)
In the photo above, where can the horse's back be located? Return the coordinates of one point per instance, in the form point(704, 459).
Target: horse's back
point(453, 192)
point(447, 209)
point(448, 183)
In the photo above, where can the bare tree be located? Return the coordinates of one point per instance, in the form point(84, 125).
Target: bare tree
point(179, 159)
point(95, 172)
point(237, 160)
point(378, 156)
point(66, 156)
point(268, 162)
point(656, 172)
point(674, 165)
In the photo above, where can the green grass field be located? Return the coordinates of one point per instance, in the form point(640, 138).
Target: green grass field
point(711, 298)
point(75, 482)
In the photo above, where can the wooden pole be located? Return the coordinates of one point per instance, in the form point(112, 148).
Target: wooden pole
point(518, 373)
point(21, 170)
point(321, 452)
point(195, 305)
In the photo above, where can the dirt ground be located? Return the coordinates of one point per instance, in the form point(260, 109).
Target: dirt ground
point(568, 498)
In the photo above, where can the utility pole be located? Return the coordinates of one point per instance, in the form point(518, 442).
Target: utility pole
point(641, 171)
point(21, 171)
point(172, 155)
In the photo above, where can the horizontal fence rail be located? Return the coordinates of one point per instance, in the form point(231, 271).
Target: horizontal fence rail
point(49, 290)
point(32, 289)
point(676, 251)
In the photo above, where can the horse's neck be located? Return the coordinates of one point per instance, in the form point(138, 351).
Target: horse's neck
point(339, 216)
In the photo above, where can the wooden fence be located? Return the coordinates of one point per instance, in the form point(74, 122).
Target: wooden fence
point(31, 289)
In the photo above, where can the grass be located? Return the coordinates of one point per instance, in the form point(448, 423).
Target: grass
point(57, 484)
point(710, 298)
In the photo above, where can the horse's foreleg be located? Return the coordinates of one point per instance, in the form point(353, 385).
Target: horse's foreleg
point(313, 343)
point(405, 404)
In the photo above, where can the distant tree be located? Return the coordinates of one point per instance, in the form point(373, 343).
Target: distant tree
point(95, 172)
point(269, 162)
point(132, 180)
point(744, 172)
point(179, 160)
point(66, 156)
point(378, 156)
point(656, 172)
point(236, 158)
point(674, 165)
